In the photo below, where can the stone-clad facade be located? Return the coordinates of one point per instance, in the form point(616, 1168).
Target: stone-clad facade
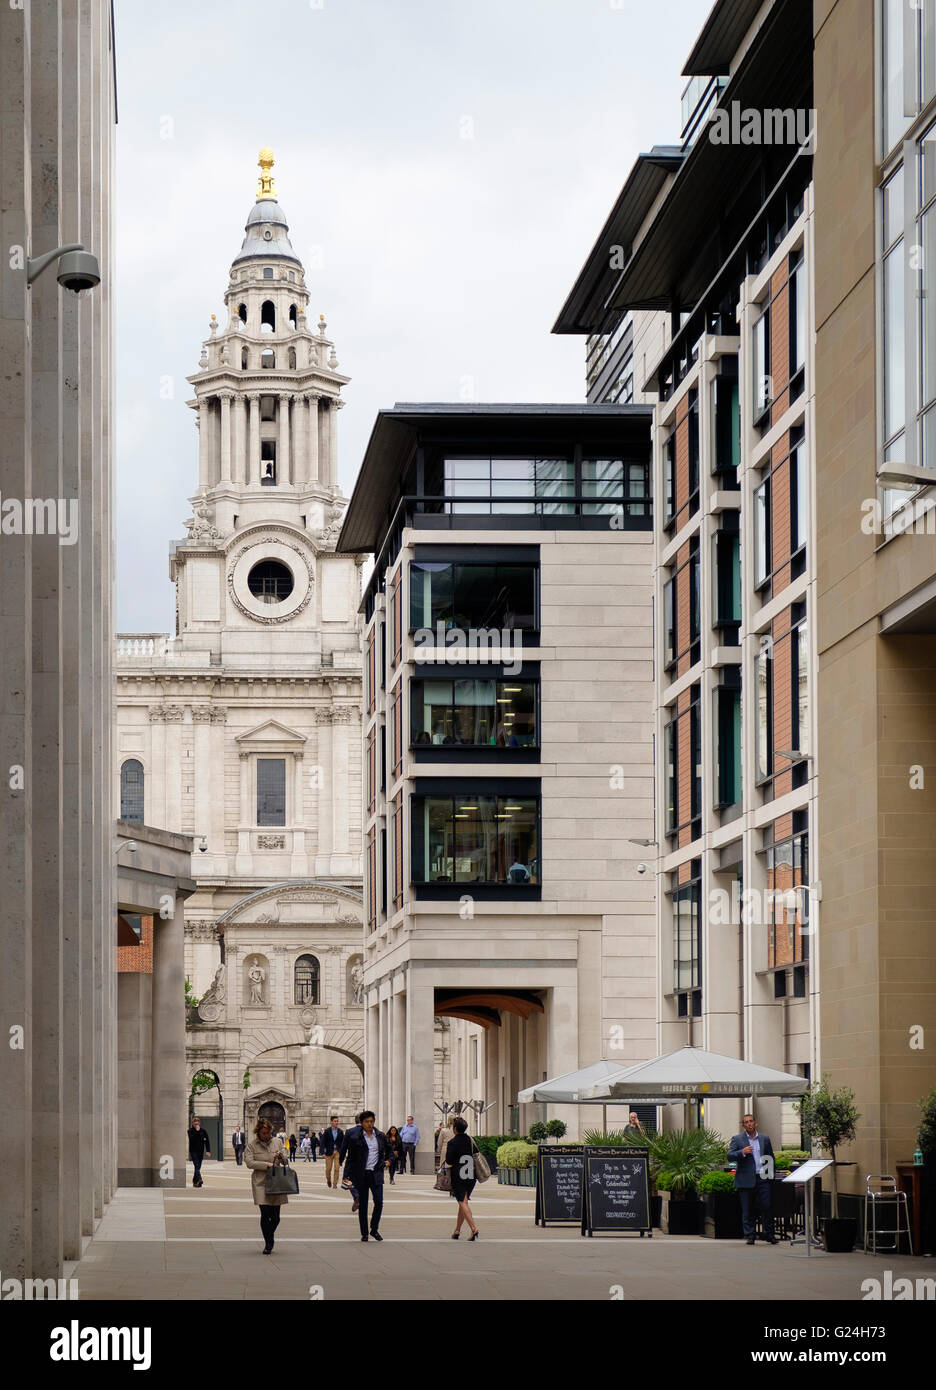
point(243, 728)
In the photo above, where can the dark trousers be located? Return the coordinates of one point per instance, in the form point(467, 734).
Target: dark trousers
point(370, 1183)
point(409, 1150)
point(396, 1165)
point(197, 1160)
point(269, 1220)
point(753, 1199)
point(239, 1155)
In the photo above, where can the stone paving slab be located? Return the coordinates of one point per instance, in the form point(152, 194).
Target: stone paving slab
point(205, 1244)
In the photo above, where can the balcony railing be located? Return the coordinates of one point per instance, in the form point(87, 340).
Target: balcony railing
point(142, 645)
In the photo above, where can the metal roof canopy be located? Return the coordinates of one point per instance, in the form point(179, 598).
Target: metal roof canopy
point(673, 264)
point(586, 305)
point(722, 32)
point(396, 433)
point(690, 1073)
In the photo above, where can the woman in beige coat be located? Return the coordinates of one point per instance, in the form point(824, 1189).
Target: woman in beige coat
point(260, 1155)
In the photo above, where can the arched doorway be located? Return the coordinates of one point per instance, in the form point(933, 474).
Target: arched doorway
point(272, 1110)
point(209, 1108)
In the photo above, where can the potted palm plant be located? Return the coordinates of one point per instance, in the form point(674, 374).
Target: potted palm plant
point(830, 1118)
point(678, 1160)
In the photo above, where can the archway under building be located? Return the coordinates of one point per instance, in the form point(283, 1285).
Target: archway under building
point(293, 1068)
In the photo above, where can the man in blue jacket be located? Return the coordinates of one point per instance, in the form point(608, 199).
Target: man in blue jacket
point(332, 1140)
point(753, 1154)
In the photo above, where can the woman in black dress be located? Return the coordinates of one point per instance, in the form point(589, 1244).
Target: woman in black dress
point(394, 1151)
point(199, 1147)
point(459, 1157)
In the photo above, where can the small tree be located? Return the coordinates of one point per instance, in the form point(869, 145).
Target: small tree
point(555, 1129)
point(829, 1118)
point(191, 998)
point(538, 1132)
point(927, 1136)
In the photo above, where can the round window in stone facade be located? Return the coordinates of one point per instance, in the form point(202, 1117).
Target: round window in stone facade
point(270, 581)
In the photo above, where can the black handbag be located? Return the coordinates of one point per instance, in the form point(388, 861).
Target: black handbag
point(281, 1181)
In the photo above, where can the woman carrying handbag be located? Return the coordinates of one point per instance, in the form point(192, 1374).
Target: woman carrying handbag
point(264, 1156)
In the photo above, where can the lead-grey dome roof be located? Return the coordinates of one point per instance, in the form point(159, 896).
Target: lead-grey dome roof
point(266, 215)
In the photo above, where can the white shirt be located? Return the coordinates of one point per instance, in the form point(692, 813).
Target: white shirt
point(754, 1141)
point(372, 1149)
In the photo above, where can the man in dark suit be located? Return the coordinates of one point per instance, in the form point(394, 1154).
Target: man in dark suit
point(753, 1154)
point(365, 1155)
point(239, 1141)
point(332, 1138)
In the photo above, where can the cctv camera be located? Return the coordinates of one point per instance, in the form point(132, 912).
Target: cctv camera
point(641, 868)
point(203, 844)
point(131, 846)
point(78, 270)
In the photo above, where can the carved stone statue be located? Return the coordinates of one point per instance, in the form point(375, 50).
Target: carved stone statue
point(200, 527)
point(356, 983)
point(256, 975)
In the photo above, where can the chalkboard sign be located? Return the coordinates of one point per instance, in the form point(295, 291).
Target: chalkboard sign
point(617, 1191)
point(560, 1170)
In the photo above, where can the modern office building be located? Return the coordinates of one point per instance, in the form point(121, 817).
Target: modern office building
point(507, 749)
point(242, 728)
point(58, 983)
point(876, 334)
point(708, 253)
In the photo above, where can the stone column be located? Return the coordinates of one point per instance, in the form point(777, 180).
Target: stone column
point(312, 435)
point(325, 840)
point(299, 449)
point(201, 718)
point(168, 1124)
point(341, 833)
point(334, 408)
point(282, 452)
point(154, 808)
point(563, 1051)
point(204, 442)
point(398, 1045)
point(173, 717)
point(420, 1029)
point(240, 471)
point(324, 419)
point(253, 447)
point(371, 1044)
point(214, 826)
point(494, 1121)
point(226, 398)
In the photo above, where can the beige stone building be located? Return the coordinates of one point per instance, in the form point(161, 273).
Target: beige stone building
point(877, 563)
point(242, 728)
point(507, 750)
point(58, 983)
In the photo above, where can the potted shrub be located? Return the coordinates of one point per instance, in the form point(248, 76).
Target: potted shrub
point(722, 1206)
point(829, 1118)
point(516, 1163)
point(489, 1144)
point(538, 1132)
point(555, 1129)
point(681, 1157)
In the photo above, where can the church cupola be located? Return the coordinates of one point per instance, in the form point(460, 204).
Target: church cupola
point(267, 391)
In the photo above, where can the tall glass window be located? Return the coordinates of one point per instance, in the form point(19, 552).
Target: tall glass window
point(797, 295)
point(271, 791)
point(499, 713)
point(762, 564)
point(799, 497)
point(131, 791)
point(728, 748)
point(306, 979)
point(476, 839)
point(489, 479)
point(800, 683)
point(893, 314)
point(761, 365)
point(726, 425)
point(763, 714)
point(687, 933)
point(464, 595)
point(788, 901)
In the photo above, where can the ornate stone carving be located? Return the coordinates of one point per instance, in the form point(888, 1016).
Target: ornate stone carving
point(218, 715)
point(211, 1008)
point(271, 842)
point(324, 716)
point(329, 534)
point(201, 714)
point(173, 714)
point(257, 618)
point(256, 977)
point(201, 528)
point(201, 931)
point(344, 714)
point(355, 981)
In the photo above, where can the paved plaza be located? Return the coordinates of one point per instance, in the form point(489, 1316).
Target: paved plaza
point(206, 1244)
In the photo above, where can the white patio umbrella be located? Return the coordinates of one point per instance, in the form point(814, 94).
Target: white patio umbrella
point(574, 1088)
point(691, 1073)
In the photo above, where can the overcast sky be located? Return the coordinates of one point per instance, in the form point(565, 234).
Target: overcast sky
point(444, 165)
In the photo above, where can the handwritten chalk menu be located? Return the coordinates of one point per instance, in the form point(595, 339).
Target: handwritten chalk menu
point(560, 1171)
point(617, 1191)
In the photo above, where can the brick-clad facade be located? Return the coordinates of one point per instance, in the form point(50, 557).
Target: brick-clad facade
point(138, 960)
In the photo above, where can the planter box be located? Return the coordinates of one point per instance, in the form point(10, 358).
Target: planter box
point(517, 1177)
point(683, 1217)
point(723, 1216)
point(839, 1234)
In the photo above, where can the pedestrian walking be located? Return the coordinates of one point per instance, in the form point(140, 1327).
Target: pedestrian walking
point(262, 1154)
point(239, 1141)
point(332, 1140)
point(292, 1148)
point(395, 1152)
point(446, 1135)
point(365, 1160)
point(313, 1144)
point(305, 1148)
point(199, 1146)
point(459, 1158)
point(410, 1136)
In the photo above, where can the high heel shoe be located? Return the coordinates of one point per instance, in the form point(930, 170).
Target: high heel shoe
point(455, 1235)
point(474, 1236)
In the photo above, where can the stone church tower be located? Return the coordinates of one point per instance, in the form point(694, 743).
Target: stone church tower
point(244, 727)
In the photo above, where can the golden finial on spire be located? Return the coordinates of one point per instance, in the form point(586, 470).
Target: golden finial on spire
point(265, 187)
